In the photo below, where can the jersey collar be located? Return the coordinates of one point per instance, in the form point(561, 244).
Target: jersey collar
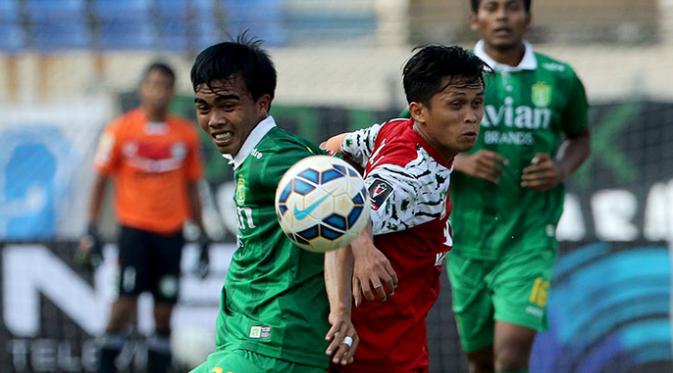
point(528, 62)
point(255, 136)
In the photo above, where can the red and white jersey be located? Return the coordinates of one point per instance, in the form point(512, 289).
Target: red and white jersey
point(408, 182)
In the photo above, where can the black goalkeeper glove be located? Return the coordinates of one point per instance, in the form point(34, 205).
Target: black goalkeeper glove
point(90, 252)
point(202, 268)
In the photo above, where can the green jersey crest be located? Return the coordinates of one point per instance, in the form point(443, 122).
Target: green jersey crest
point(240, 191)
point(541, 94)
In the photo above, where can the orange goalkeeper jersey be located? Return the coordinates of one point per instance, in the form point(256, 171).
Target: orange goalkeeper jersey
point(152, 164)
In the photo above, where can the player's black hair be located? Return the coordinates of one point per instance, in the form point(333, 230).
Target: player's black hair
point(243, 57)
point(162, 67)
point(426, 71)
point(475, 5)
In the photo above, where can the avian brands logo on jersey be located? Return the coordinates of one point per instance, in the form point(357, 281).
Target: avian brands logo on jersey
point(540, 94)
point(260, 331)
point(379, 191)
point(240, 191)
point(523, 116)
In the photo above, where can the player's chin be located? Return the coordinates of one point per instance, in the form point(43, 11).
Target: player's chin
point(465, 143)
point(230, 149)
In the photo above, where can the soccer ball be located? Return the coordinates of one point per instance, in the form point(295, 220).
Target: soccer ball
point(322, 203)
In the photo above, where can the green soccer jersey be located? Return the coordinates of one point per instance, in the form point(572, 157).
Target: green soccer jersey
point(528, 109)
point(274, 300)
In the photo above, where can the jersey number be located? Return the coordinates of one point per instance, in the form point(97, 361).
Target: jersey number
point(245, 218)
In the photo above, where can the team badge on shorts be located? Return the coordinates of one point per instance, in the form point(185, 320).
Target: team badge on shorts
point(379, 192)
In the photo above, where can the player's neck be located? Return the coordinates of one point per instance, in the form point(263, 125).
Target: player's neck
point(153, 116)
point(447, 154)
point(506, 56)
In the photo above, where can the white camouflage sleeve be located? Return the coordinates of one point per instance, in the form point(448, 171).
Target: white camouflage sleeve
point(358, 145)
point(393, 195)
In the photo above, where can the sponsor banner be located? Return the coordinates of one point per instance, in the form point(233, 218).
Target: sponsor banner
point(624, 192)
point(45, 167)
point(609, 310)
point(52, 310)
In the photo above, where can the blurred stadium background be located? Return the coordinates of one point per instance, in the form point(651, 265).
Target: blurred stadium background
point(68, 66)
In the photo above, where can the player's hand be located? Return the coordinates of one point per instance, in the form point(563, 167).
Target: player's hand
point(373, 275)
point(202, 267)
point(90, 250)
point(342, 337)
point(484, 164)
point(543, 173)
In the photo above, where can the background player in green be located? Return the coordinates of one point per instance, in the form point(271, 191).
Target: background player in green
point(508, 191)
point(274, 310)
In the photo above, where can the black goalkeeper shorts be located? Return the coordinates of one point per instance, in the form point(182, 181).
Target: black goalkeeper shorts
point(150, 261)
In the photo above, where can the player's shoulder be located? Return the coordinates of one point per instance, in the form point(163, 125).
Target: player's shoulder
point(397, 142)
point(279, 140)
point(554, 66)
point(125, 121)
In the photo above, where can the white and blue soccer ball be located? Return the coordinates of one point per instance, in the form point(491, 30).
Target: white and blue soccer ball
point(322, 203)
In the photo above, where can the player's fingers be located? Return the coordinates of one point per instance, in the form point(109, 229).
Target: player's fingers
point(536, 169)
point(493, 174)
point(390, 286)
point(332, 330)
point(540, 158)
point(541, 182)
point(485, 174)
point(357, 291)
point(342, 344)
point(380, 292)
point(366, 290)
point(393, 275)
point(347, 345)
point(539, 173)
point(349, 353)
point(334, 341)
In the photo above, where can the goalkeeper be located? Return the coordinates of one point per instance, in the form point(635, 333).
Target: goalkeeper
point(154, 160)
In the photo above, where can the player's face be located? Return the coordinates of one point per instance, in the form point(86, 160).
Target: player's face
point(501, 23)
point(227, 112)
point(156, 91)
point(451, 122)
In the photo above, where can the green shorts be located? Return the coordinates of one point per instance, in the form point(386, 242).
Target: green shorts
point(513, 289)
point(244, 361)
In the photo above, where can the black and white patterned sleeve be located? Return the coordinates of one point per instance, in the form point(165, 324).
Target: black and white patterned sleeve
point(359, 145)
point(393, 195)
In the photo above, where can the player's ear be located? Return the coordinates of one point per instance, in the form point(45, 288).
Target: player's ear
point(263, 104)
point(474, 26)
point(417, 111)
point(529, 20)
